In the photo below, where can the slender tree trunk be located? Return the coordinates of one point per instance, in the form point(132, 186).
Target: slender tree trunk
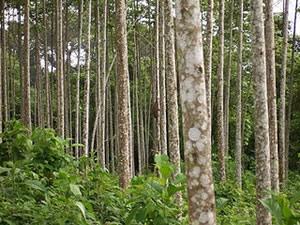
point(4, 69)
point(227, 86)
point(26, 108)
point(1, 88)
point(162, 78)
point(263, 181)
point(66, 60)
point(87, 85)
point(220, 96)
point(77, 116)
point(171, 81)
point(59, 69)
point(208, 58)
point(123, 95)
point(38, 84)
point(282, 100)
point(196, 122)
point(238, 137)
point(290, 95)
point(271, 85)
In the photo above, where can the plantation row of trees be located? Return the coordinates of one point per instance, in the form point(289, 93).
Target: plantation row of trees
point(124, 81)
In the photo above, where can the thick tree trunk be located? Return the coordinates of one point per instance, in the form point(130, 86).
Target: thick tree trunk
point(171, 83)
point(271, 85)
point(196, 122)
point(238, 137)
point(263, 181)
point(220, 96)
point(26, 108)
point(282, 100)
point(123, 95)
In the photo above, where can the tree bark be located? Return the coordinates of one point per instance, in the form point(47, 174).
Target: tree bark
point(262, 147)
point(196, 122)
point(238, 137)
point(171, 83)
point(282, 100)
point(26, 108)
point(220, 96)
point(123, 95)
point(271, 85)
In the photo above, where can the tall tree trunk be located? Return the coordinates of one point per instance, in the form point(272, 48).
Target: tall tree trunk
point(77, 116)
point(290, 95)
point(208, 58)
point(1, 88)
point(162, 78)
point(282, 100)
point(263, 181)
point(38, 81)
point(59, 69)
point(238, 137)
point(48, 94)
point(271, 85)
point(196, 122)
point(86, 102)
point(4, 69)
point(171, 80)
point(26, 108)
point(66, 60)
point(123, 95)
point(227, 86)
point(220, 96)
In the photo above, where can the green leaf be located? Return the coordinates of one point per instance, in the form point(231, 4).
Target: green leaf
point(35, 184)
point(75, 190)
point(82, 208)
point(4, 170)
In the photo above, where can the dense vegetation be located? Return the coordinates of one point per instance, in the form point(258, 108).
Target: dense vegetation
point(41, 184)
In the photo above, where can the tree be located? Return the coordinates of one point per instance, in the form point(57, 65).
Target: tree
point(271, 85)
point(262, 147)
point(123, 95)
point(4, 66)
point(26, 108)
point(282, 100)
point(220, 96)
point(238, 137)
point(87, 85)
point(196, 122)
point(171, 83)
point(59, 69)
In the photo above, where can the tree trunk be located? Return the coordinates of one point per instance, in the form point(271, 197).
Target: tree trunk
point(220, 96)
point(282, 100)
point(77, 116)
point(86, 102)
point(271, 85)
point(59, 69)
point(123, 95)
point(171, 80)
point(26, 108)
point(238, 137)
point(196, 122)
point(162, 78)
point(263, 182)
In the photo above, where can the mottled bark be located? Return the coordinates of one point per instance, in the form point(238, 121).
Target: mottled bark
point(238, 133)
point(196, 122)
point(123, 95)
point(162, 84)
point(282, 100)
point(262, 147)
point(271, 85)
point(220, 96)
point(171, 84)
point(26, 108)
point(77, 116)
point(59, 69)
point(1, 117)
point(86, 102)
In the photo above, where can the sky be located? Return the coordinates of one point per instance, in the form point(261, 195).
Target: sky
point(278, 8)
